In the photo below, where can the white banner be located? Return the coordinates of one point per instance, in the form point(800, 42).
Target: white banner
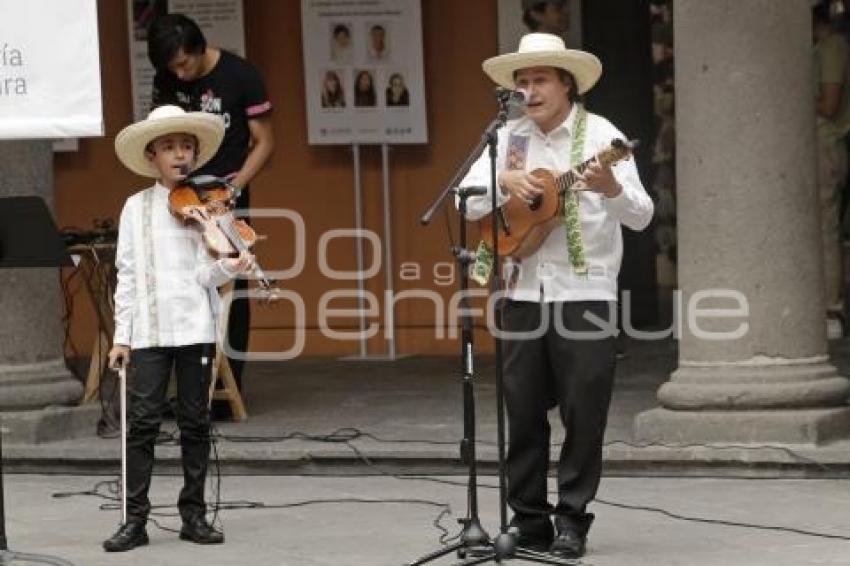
point(221, 21)
point(363, 71)
point(49, 69)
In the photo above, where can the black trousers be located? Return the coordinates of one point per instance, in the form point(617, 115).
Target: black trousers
point(148, 379)
point(578, 375)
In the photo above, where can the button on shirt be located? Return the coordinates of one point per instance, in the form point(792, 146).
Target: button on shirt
point(166, 293)
point(547, 274)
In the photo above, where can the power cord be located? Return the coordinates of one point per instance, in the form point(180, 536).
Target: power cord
point(347, 435)
point(342, 435)
point(356, 433)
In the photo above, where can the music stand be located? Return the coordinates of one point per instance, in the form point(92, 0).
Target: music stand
point(28, 239)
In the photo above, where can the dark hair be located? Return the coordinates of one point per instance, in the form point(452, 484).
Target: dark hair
point(169, 34)
point(339, 28)
point(196, 152)
point(367, 97)
point(568, 79)
point(377, 27)
point(820, 14)
point(403, 97)
point(335, 99)
point(529, 21)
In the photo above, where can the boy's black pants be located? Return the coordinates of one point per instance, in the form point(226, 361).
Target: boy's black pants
point(146, 395)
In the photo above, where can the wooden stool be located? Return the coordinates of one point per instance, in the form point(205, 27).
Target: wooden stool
point(97, 264)
point(221, 367)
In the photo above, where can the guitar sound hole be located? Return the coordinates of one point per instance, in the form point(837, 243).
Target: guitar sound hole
point(535, 204)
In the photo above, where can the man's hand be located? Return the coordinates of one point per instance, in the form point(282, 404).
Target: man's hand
point(521, 185)
point(601, 180)
point(242, 264)
point(119, 356)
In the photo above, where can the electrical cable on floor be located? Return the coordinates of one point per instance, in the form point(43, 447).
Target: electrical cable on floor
point(358, 434)
point(346, 435)
point(355, 434)
point(342, 435)
point(722, 522)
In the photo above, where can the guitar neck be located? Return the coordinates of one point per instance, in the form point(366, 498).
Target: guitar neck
point(568, 179)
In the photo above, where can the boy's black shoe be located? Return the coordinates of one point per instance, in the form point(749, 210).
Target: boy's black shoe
point(128, 537)
point(199, 531)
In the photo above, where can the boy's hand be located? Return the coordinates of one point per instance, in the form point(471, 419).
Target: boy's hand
point(119, 357)
point(242, 264)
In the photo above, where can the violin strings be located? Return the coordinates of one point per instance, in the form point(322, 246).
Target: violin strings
point(236, 239)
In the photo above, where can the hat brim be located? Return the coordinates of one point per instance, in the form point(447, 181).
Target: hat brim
point(585, 67)
point(130, 143)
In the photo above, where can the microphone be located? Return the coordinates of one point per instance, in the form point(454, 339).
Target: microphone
point(517, 97)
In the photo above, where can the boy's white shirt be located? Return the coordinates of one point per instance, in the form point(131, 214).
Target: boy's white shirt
point(166, 293)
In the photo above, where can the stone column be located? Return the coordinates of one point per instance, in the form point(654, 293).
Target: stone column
point(748, 222)
point(34, 381)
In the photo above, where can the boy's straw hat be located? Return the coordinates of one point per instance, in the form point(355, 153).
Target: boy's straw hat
point(130, 143)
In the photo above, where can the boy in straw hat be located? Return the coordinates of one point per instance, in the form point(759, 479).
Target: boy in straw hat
point(555, 350)
point(163, 314)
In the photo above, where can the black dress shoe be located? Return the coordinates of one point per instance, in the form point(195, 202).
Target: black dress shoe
point(199, 531)
point(534, 533)
point(128, 537)
point(568, 544)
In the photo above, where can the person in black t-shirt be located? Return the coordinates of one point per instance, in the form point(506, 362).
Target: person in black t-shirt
point(201, 77)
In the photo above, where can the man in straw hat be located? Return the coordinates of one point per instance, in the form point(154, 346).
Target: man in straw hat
point(560, 308)
point(164, 317)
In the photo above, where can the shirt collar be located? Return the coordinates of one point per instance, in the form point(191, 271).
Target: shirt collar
point(527, 126)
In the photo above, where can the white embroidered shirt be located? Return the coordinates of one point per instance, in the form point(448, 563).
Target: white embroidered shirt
point(167, 280)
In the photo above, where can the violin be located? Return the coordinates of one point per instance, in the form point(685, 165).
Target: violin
point(208, 202)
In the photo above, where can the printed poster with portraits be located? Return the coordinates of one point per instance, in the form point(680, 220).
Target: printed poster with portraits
point(221, 21)
point(363, 72)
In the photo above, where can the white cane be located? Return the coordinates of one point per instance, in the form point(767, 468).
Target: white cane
point(122, 378)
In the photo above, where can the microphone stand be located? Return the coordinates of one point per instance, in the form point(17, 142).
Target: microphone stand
point(474, 542)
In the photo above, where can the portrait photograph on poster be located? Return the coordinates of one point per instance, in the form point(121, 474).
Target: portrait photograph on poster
point(396, 91)
point(378, 42)
point(333, 89)
point(340, 42)
point(365, 95)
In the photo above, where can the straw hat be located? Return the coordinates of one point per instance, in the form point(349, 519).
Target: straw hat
point(544, 50)
point(130, 143)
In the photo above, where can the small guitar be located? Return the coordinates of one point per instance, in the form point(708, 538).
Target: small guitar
point(524, 226)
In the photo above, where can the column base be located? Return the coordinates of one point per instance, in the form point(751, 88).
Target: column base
point(49, 424)
point(785, 426)
point(37, 385)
